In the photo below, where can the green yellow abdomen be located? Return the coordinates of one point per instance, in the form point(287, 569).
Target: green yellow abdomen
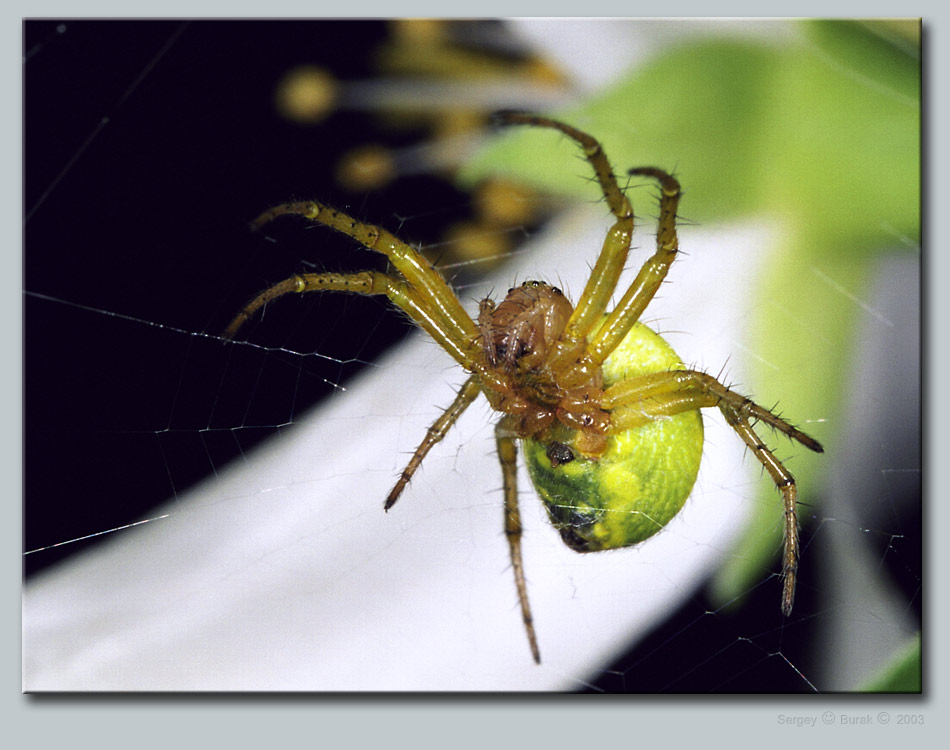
point(643, 478)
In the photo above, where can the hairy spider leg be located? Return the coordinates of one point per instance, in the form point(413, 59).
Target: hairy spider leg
point(367, 283)
point(630, 396)
point(420, 274)
point(786, 485)
point(427, 298)
point(644, 399)
point(603, 280)
point(508, 455)
point(466, 395)
point(649, 277)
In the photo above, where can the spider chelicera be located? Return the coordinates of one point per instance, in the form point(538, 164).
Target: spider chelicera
point(607, 414)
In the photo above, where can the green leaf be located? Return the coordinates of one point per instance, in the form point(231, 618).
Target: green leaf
point(902, 674)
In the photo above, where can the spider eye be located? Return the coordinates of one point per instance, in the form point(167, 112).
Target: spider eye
point(559, 453)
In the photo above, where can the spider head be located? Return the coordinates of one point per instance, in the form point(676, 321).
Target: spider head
point(524, 327)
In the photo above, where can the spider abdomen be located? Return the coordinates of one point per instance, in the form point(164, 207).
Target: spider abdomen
point(642, 479)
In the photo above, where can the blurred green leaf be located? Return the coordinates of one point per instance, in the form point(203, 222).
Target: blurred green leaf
point(902, 674)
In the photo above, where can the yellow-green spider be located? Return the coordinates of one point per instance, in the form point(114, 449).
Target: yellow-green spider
point(607, 414)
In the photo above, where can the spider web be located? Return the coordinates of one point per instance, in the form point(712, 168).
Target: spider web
point(194, 494)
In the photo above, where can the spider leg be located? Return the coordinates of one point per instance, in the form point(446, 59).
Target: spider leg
point(785, 483)
point(651, 274)
point(415, 305)
point(508, 456)
point(420, 274)
point(466, 395)
point(603, 280)
point(641, 400)
point(632, 400)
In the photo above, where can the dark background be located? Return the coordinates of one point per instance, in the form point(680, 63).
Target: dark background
point(136, 237)
point(141, 232)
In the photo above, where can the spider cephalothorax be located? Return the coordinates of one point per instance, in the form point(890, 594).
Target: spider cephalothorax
point(525, 327)
point(607, 414)
point(521, 337)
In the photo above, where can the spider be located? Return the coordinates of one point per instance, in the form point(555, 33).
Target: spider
point(607, 414)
